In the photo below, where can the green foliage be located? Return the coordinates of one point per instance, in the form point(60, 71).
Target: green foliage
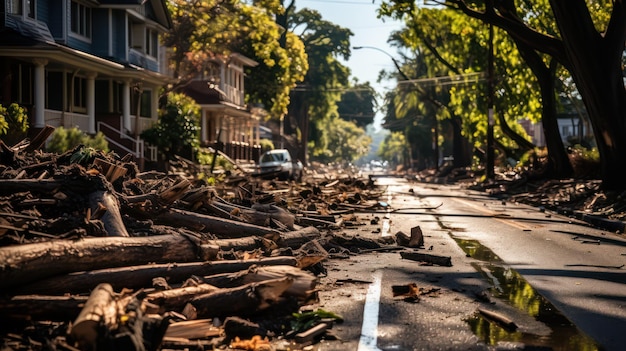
point(345, 142)
point(64, 139)
point(83, 155)
point(305, 320)
point(176, 131)
point(394, 148)
point(358, 104)
point(266, 145)
point(216, 28)
point(320, 92)
point(13, 123)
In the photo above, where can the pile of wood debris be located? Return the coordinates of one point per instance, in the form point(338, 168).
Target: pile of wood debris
point(97, 255)
point(581, 198)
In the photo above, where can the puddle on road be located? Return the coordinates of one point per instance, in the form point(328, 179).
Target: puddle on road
point(510, 286)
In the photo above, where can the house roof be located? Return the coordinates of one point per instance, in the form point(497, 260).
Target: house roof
point(159, 7)
point(13, 44)
point(204, 94)
point(212, 98)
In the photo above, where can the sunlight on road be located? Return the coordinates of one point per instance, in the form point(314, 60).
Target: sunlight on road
point(369, 330)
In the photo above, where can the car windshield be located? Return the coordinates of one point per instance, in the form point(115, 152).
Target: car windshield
point(272, 157)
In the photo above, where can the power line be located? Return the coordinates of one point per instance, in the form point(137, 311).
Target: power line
point(344, 2)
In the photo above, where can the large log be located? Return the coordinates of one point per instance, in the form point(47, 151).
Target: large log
point(176, 299)
point(112, 219)
point(100, 310)
point(218, 226)
point(21, 264)
point(302, 287)
point(136, 277)
point(243, 300)
point(42, 307)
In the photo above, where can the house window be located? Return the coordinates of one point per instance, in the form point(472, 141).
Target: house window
point(22, 87)
point(54, 90)
point(145, 104)
point(16, 7)
point(77, 92)
point(30, 8)
point(152, 42)
point(81, 20)
point(136, 32)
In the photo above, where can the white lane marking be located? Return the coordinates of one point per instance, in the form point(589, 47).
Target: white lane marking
point(369, 330)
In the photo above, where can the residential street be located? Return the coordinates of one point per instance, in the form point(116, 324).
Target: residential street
point(560, 282)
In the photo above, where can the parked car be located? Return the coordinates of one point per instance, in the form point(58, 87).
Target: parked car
point(279, 163)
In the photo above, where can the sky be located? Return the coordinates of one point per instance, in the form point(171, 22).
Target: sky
point(360, 17)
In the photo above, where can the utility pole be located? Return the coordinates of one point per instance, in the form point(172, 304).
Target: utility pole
point(489, 167)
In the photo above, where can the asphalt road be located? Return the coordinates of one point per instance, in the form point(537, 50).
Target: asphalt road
point(558, 283)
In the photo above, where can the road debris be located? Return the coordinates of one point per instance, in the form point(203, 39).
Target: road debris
point(95, 254)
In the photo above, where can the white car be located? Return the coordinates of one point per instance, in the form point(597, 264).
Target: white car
point(279, 163)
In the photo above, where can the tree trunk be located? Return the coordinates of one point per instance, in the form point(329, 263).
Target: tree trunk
point(100, 310)
point(243, 300)
point(112, 219)
point(559, 165)
point(221, 227)
point(135, 277)
point(303, 282)
point(460, 146)
point(595, 62)
point(27, 263)
point(42, 307)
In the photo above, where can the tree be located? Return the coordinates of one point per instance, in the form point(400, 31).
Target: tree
point(176, 131)
point(314, 102)
point(448, 43)
point(346, 142)
point(358, 104)
point(591, 47)
point(395, 149)
point(13, 123)
point(204, 29)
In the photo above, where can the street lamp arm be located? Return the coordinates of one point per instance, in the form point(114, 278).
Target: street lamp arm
point(388, 54)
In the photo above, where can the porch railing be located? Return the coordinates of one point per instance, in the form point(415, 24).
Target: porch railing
point(112, 135)
point(66, 119)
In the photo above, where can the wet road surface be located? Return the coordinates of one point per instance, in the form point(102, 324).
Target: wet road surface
point(559, 284)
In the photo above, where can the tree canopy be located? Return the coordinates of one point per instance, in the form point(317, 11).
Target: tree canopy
point(209, 28)
point(585, 37)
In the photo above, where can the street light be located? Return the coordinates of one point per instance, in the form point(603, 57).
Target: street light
point(395, 63)
point(434, 130)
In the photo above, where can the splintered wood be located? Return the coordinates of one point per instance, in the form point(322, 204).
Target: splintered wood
point(123, 259)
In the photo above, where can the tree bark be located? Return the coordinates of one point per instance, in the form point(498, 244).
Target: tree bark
point(303, 282)
point(595, 62)
point(136, 277)
point(100, 310)
point(243, 300)
point(221, 227)
point(112, 219)
point(42, 307)
point(21, 264)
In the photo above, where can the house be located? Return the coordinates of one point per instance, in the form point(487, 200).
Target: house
point(226, 121)
point(86, 63)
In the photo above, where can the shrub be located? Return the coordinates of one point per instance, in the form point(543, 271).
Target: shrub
point(13, 123)
point(66, 139)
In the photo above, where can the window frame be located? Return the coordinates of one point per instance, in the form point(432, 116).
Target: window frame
point(27, 9)
point(81, 21)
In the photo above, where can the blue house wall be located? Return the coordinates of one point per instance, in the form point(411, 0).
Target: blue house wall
point(119, 35)
point(100, 32)
point(53, 12)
